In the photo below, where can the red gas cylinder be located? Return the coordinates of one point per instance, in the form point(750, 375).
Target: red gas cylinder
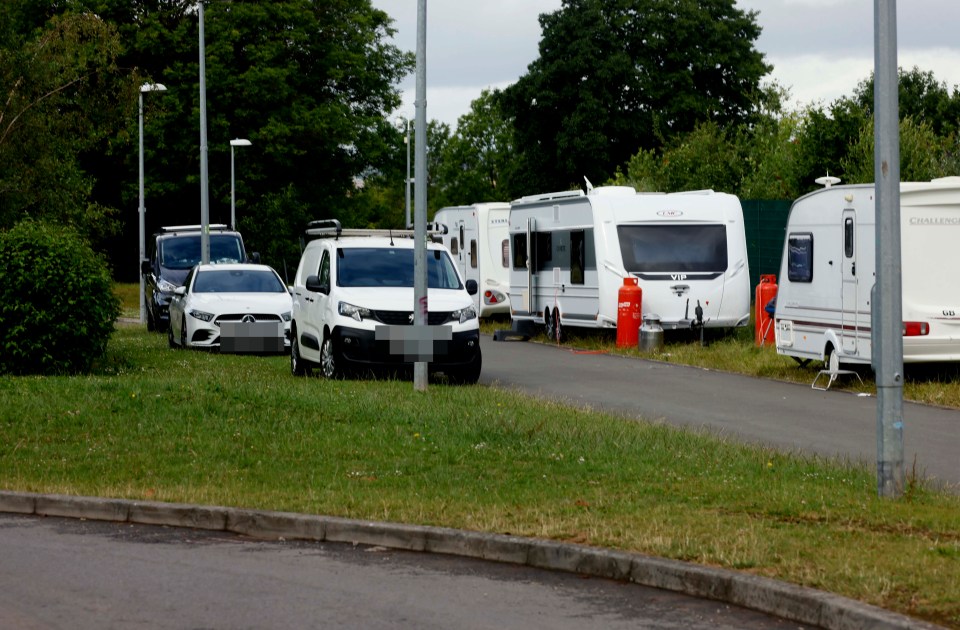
point(764, 332)
point(628, 313)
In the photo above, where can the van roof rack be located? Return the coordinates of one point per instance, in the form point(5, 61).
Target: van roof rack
point(191, 228)
point(327, 228)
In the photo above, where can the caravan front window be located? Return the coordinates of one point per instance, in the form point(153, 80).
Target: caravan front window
point(673, 248)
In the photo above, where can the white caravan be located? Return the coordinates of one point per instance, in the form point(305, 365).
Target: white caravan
point(829, 269)
point(571, 252)
point(478, 239)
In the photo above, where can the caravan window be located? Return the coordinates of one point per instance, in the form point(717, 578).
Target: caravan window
point(473, 253)
point(800, 257)
point(673, 248)
point(578, 257)
point(848, 237)
point(520, 251)
point(505, 253)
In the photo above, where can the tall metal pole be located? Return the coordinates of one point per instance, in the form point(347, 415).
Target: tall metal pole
point(142, 211)
point(420, 371)
point(146, 87)
point(408, 182)
point(204, 186)
point(233, 192)
point(887, 335)
point(236, 142)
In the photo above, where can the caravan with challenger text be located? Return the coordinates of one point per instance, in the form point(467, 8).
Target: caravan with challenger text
point(571, 252)
point(828, 271)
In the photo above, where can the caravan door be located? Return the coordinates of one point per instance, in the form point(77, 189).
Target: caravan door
point(851, 317)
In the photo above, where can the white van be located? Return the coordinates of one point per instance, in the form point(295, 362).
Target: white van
point(353, 303)
point(478, 238)
point(829, 269)
point(570, 252)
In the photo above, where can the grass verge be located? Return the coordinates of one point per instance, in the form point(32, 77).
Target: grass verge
point(159, 424)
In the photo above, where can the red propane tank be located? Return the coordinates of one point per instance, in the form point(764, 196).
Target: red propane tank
point(628, 313)
point(764, 332)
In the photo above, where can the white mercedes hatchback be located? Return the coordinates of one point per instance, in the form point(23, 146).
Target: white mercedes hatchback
point(232, 308)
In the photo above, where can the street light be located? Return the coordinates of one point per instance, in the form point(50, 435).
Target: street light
point(404, 123)
point(236, 142)
point(146, 87)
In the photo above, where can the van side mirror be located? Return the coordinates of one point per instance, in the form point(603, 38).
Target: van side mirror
point(145, 267)
point(255, 258)
point(472, 287)
point(313, 284)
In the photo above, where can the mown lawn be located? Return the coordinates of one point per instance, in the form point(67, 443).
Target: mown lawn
point(185, 426)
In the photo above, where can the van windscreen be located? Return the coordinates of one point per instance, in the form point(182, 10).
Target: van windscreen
point(673, 248)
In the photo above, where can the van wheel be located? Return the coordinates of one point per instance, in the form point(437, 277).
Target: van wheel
point(330, 359)
point(469, 374)
point(298, 365)
point(552, 325)
point(151, 326)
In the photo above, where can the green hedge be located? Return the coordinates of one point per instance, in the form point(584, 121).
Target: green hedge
point(57, 306)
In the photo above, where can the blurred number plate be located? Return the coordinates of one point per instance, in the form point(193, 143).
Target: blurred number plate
point(251, 337)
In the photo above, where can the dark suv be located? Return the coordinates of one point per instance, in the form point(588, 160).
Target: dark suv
point(173, 252)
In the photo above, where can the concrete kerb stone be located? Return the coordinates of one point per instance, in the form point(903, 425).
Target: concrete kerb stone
point(82, 507)
point(788, 601)
point(178, 515)
point(18, 502)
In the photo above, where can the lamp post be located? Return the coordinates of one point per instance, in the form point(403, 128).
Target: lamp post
point(236, 142)
point(405, 123)
point(146, 87)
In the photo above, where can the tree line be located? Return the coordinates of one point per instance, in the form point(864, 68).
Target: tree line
point(657, 94)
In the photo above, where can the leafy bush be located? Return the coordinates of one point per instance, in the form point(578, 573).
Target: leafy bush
point(57, 306)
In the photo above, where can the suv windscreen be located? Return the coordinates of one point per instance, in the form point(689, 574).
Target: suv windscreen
point(183, 252)
point(387, 267)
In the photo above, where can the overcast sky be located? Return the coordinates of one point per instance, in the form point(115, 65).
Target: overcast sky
point(820, 49)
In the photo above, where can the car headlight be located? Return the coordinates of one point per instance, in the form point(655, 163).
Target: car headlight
point(201, 315)
point(464, 314)
point(166, 286)
point(286, 316)
point(356, 312)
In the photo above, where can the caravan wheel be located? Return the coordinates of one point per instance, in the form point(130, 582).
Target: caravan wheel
point(551, 324)
point(831, 360)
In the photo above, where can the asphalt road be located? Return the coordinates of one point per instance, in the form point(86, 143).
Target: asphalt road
point(77, 574)
point(785, 415)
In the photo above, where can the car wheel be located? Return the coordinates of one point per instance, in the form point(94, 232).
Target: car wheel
point(469, 374)
point(330, 359)
point(170, 340)
point(298, 365)
point(183, 333)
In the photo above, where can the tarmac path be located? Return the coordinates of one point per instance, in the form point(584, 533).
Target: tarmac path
point(790, 416)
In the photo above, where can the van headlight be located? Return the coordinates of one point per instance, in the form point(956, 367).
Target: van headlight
point(355, 312)
point(464, 314)
point(166, 286)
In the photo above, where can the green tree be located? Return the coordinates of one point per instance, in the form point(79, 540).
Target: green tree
point(476, 164)
point(63, 95)
point(615, 76)
point(923, 154)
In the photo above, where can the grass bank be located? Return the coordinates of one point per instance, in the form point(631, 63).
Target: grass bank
point(184, 426)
